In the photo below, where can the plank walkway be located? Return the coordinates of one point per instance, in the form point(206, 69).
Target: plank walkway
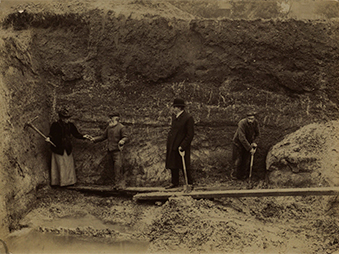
point(164, 195)
point(160, 193)
point(134, 190)
point(109, 190)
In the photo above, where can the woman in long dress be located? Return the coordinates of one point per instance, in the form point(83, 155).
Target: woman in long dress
point(62, 165)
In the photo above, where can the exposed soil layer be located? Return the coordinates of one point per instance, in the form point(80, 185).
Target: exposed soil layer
point(99, 60)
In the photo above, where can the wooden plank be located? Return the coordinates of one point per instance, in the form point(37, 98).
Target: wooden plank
point(110, 190)
point(147, 189)
point(94, 188)
point(240, 193)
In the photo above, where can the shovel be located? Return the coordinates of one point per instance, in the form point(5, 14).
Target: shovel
point(182, 154)
point(122, 172)
point(251, 167)
point(29, 124)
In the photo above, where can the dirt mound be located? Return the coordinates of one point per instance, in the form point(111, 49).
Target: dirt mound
point(242, 226)
point(307, 157)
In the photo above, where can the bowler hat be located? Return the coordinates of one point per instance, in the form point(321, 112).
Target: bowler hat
point(178, 103)
point(64, 113)
point(114, 114)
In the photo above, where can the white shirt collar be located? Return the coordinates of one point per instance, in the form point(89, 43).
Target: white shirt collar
point(179, 113)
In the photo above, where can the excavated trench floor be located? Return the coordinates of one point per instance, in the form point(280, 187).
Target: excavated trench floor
point(32, 241)
point(69, 221)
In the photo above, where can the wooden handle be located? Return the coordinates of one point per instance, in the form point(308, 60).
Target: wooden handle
point(38, 131)
point(182, 153)
point(41, 134)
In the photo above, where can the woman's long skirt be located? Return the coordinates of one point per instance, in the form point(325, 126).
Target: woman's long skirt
point(62, 170)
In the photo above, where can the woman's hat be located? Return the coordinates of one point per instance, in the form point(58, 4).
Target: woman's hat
point(64, 113)
point(178, 103)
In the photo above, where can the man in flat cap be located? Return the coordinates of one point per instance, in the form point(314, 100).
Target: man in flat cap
point(244, 146)
point(116, 135)
point(62, 163)
point(179, 138)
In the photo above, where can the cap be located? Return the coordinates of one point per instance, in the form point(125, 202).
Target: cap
point(251, 113)
point(114, 114)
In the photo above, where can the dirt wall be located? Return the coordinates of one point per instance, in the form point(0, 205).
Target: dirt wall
point(102, 62)
point(24, 156)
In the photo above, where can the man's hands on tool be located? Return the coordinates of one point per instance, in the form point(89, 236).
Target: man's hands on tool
point(254, 148)
point(181, 151)
point(121, 144)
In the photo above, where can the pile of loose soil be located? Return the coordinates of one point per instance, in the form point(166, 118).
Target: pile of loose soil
point(185, 225)
point(306, 158)
point(252, 225)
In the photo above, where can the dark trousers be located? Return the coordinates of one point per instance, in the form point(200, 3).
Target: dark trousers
point(241, 161)
point(175, 176)
point(115, 164)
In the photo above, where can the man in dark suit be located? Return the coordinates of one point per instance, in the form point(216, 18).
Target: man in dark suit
point(179, 138)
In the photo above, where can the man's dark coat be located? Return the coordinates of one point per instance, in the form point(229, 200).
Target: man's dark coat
point(180, 134)
point(246, 134)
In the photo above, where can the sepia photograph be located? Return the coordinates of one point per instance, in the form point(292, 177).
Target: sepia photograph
point(169, 126)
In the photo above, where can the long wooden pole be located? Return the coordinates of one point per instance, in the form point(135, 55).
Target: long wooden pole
point(241, 193)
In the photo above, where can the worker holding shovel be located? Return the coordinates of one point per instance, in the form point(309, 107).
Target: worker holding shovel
point(244, 147)
point(179, 141)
